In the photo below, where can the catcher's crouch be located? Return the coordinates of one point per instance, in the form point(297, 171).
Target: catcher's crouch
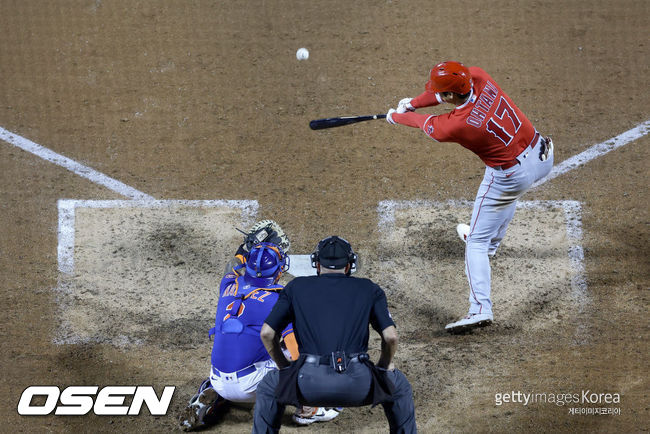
point(330, 315)
point(247, 293)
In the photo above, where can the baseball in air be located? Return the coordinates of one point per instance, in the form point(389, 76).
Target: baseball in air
point(302, 54)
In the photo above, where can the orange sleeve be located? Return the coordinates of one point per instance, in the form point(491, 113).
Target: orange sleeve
point(292, 345)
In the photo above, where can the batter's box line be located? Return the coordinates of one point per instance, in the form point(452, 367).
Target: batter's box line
point(67, 210)
point(572, 215)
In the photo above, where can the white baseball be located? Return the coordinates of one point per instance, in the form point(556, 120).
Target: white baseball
point(302, 54)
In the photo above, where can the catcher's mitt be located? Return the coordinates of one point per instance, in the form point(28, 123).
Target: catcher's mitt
point(266, 231)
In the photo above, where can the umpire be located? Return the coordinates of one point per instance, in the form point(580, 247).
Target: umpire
point(330, 314)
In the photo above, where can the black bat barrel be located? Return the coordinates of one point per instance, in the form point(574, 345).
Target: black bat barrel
point(320, 124)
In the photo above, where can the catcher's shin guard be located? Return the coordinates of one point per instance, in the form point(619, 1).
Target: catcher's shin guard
point(204, 408)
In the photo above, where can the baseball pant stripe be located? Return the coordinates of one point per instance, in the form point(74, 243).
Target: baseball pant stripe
point(469, 274)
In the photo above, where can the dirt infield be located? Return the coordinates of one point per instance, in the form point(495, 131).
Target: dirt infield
point(206, 100)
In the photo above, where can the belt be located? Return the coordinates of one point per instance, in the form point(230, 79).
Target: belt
point(508, 165)
point(512, 163)
point(239, 374)
point(327, 359)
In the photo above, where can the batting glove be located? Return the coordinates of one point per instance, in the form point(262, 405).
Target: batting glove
point(405, 105)
point(389, 116)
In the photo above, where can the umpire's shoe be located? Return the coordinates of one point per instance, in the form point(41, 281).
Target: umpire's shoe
point(203, 409)
point(473, 320)
point(309, 415)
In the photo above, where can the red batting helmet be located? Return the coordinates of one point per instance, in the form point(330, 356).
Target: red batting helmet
point(450, 77)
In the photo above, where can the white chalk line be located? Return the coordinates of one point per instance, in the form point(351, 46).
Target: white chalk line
point(73, 166)
point(300, 264)
point(67, 209)
point(596, 151)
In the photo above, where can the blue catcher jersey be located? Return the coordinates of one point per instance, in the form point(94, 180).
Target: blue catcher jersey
point(241, 311)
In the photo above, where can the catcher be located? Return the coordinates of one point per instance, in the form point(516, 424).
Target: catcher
point(247, 293)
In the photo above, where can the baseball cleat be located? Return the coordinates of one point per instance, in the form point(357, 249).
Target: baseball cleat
point(200, 409)
point(469, 322)
point(309, 415)
point(463, 231)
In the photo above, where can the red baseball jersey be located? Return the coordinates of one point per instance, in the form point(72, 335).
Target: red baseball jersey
point(488, 124)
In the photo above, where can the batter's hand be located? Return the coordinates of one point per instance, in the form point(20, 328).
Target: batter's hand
point(389, 116)
point(405, 106)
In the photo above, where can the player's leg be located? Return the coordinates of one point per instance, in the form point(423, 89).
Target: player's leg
point(267, 417)
point(241, 389)
point(493, 205)
point(537, 166)
point(401, 412)
point(495, 242)
point(204, 408)
point(543, 161)
point(487, 217)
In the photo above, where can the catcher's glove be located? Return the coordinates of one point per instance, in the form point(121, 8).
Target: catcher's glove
point(266, 231)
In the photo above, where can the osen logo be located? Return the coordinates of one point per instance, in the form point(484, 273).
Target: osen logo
point(80, 400)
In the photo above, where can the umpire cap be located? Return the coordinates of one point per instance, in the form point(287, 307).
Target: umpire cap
point(334, 253)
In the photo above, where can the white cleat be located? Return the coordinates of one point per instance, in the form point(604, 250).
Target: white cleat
point(309, 415)
point(469, 322)
point(463, 231)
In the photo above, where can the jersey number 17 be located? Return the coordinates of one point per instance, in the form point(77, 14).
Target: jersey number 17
point(496, 124)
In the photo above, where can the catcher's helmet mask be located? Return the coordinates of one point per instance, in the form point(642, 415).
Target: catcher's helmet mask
point(334, 253)
point(266, 261)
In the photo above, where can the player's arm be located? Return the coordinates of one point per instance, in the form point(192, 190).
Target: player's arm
point(271, 340)
point(290, 342)
point(426, 99)
point(405, 110)
point(411, 119)
point(389, 341)
point(279, 317)
point(381, 321)
point(238, 262)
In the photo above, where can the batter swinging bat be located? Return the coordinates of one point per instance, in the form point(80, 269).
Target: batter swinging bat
point(320, 124)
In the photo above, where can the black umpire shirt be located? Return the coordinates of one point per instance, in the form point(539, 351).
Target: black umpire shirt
point(331, 312)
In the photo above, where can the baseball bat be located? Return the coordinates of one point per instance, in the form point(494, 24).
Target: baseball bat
point(319, 124)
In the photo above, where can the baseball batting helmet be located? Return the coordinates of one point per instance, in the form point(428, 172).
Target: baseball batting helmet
point(334, 253)
point(266, 261)
point(450, 77)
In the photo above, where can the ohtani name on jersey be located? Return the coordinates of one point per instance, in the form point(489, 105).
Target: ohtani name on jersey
point(483, 105)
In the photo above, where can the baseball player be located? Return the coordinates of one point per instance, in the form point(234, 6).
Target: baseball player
point(247, 293)
point(486, 121)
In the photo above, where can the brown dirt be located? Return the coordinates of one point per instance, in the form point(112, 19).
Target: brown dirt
point(205, 100)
